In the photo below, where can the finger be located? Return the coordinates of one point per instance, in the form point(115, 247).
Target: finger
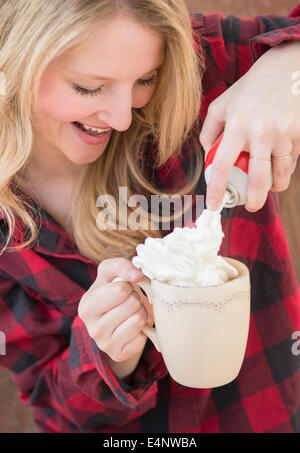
point(228, 151)
point(100, 300)
point(282, 168)
point(213, 125)
point(296, 153)
point(259, 172)
point(118, 267)
point(130, 328)
point(128, 350)
point(113, 318)
point(294, 165)
point(134, 346)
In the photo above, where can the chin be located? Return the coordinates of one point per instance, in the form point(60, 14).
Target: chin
point(84, 158)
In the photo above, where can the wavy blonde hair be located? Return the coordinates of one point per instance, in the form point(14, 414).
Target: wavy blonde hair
point(32, 34)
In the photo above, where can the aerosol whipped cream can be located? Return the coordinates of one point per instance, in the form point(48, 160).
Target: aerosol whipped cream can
point(238, 177)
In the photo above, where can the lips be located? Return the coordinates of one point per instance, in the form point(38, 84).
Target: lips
point(88, 132)
point(89, 137)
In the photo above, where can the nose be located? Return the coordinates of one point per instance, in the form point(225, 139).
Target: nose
point(117, 111)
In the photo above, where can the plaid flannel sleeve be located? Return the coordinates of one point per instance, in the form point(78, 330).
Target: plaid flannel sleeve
point(232, 45)
point(276, 31)
point(60, 371)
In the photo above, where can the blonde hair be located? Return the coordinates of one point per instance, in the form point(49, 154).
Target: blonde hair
point(32, 34)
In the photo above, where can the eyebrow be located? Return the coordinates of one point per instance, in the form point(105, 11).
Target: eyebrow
point(99, 77)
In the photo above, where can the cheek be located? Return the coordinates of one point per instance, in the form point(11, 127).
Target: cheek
point(142, 97)
point(57, 101)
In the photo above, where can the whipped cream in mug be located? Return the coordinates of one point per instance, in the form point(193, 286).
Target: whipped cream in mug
point(188, 256)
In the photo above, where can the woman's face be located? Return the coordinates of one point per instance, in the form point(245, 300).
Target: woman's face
point(96, 84)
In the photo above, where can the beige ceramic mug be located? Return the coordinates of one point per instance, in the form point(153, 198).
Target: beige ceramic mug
point(201, 332)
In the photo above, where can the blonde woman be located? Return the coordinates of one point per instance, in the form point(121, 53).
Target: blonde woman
point(101, 95)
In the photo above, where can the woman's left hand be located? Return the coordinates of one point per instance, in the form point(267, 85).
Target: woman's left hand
point(259, 113)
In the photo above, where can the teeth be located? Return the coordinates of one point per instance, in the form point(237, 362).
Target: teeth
point(94, 129)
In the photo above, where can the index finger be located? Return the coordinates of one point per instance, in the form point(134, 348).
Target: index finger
point(227, 153)
point(212, 126)
point(111, 268)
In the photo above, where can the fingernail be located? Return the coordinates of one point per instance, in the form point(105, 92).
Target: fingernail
point(134, 273)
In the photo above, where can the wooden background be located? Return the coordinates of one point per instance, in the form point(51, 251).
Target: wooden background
point(16, 418)
point(242, 8)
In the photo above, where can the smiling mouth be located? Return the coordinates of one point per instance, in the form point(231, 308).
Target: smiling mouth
point(89, 132)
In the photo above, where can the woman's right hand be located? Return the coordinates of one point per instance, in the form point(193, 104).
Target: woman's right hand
point(113, 312)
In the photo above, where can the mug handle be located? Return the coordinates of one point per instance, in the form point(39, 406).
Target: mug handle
point(145, 284)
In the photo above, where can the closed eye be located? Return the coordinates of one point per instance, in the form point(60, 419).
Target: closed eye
point(85, 92)
point(151, 81)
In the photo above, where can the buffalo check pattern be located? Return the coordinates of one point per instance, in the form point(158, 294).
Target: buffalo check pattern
point(58, 368)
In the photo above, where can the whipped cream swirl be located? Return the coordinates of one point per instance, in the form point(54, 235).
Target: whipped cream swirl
point(188, 256)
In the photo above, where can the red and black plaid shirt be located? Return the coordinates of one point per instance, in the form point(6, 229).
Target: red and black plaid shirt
point(60, 371)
